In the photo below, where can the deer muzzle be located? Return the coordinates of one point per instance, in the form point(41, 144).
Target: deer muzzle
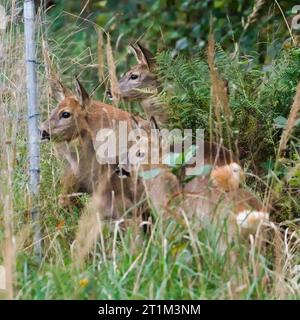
point(44, 135)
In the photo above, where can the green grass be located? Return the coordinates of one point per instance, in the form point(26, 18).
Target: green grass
point(166, 265)
point(173, 262)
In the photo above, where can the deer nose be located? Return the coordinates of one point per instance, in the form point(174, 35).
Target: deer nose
point(109, 94)
point(45, 135)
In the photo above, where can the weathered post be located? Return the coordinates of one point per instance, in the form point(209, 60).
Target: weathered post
point(33, 115)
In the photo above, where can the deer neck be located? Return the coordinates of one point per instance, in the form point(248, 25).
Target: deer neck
point(154, 108)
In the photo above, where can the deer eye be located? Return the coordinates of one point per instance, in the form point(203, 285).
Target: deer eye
point(134, 76)
point(65, 115)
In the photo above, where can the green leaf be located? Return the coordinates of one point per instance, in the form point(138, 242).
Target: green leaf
point(173, 159)
point(219, 3)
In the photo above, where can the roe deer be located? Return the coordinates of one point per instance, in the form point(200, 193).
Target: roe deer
point(224, 201)
point(141, 84)
point(239, 210)
point(80, 168)
point(222, 189)
point(78, 118)
point(162, 184)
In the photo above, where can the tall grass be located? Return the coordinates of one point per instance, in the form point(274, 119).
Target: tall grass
point(172, 262)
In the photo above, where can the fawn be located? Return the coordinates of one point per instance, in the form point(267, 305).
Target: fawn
point(141, 84)
point(81, 171)
point(219, 196)
point(220, 200)
point(78, 118)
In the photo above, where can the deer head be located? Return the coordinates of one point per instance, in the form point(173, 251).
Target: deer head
point(140, 81)
point(67, 120)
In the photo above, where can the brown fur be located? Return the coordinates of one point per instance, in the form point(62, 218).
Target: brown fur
point(85, 173)
point(220, 199)
point(213, 205)
point(145, 86)
point(227, 177)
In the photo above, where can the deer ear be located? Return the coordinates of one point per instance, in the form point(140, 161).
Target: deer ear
point(143, 55)
point(81, 94)
point(137, 53)
point(148, 56)
point(58, 90)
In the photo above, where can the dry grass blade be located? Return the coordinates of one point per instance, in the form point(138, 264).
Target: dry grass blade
point(279, 262)
point(100, 56)
point(112, 70)
point(255, 13)
point(51, 74)
point(11, 102)
point(90, 223)
point(293, 116)
point(9, 256)
point(47, 61)
point(211, 51)
point(86, 236)
point(219, 90)
point(7, 159)
point(22, 237)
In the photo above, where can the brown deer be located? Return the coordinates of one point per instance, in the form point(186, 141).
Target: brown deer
point(77, 119)
point(161, 184)
point(80, 167)
point(141, 84)
point(217, 197)
point(221, 200)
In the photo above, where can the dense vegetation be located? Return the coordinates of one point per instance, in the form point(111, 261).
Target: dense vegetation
point(260, 63)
